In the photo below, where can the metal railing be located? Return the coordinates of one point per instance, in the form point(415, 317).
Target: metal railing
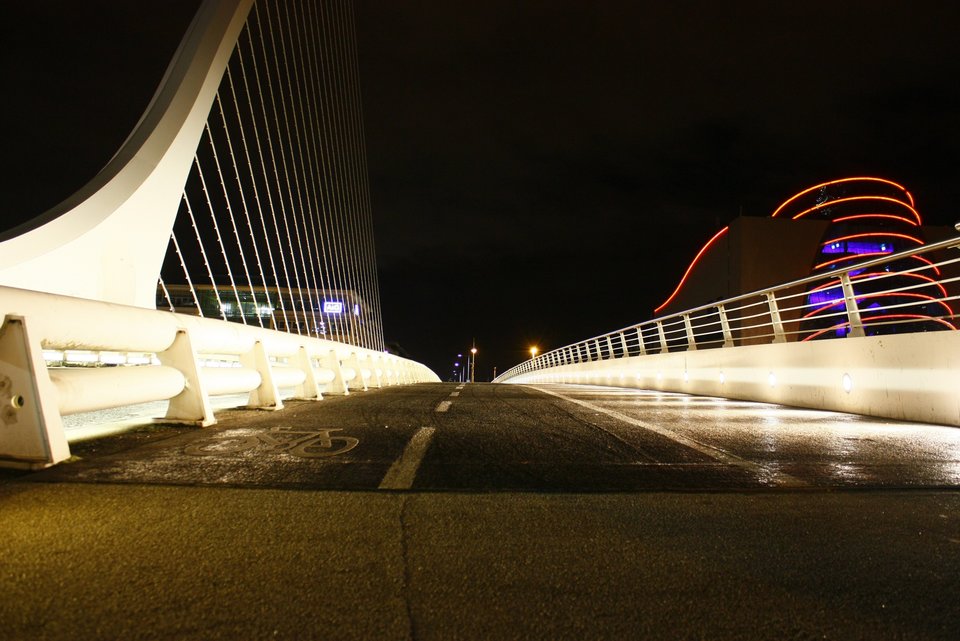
point(61, 355)
point(870, 297)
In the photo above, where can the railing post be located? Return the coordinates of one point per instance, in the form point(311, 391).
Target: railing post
point(192, 405)
point(663, 337)
point(599, 349)
point(725, 326)
point(309, 387)
point(691, 340)
point(338, 386)
point(358, 383)
point(266, 396)
point(778, 334)
point(640, 342)
point(850, 302)
point(30, 423)
point(610, 345)
point(623, 343)
point(375, 371)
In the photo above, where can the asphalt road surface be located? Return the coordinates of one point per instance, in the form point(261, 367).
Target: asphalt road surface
point(492, 512)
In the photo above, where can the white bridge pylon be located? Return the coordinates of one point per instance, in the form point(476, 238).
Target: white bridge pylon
point(107, 241)
point(82, 278)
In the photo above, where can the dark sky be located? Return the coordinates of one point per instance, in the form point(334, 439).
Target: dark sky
point(542, 171)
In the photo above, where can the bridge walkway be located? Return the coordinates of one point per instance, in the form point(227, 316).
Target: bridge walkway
point(606, 514)
point(547, 438)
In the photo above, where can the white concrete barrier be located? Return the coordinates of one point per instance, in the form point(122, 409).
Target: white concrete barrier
point(913, 377)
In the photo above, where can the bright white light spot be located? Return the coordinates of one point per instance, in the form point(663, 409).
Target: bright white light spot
point(772, 379)
point(659, 376)
point(686, 376)
point(723, 378)
point(847, 383)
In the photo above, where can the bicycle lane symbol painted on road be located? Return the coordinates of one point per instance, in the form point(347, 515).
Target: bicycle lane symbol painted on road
point(301, 443)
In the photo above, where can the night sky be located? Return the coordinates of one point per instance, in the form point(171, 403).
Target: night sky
point(541, 171)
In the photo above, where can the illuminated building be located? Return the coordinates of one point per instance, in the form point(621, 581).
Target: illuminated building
point(868, 218)
point(334, 314)
point(821, 229)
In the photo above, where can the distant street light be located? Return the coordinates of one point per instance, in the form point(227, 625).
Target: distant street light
point(473, 362)
point(533, 352)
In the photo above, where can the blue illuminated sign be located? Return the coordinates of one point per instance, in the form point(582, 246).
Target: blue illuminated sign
point(332, 307)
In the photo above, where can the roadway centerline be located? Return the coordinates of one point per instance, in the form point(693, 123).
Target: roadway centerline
point(778, 477)
point(454, 394)
point(401, 474)
point(460, 386)
point(444, 406)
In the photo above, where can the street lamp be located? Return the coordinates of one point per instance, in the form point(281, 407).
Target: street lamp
point(473, 362)
point(533, 352)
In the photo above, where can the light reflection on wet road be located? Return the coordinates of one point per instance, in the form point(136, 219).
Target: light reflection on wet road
point(524, 438)
point(822, 448)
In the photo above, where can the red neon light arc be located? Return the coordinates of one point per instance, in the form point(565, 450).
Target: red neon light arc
point(867, 321)
point(843, 180)
point(834, 261)
point(889, 216)
point(836, 282)
point(862, 297)
point(830, 203)
point(693, 263)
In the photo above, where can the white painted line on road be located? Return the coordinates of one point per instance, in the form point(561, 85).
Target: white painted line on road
point(401, 474)
point(444, 406)
point(461, 386)
point(454, 394)
point(778, 477)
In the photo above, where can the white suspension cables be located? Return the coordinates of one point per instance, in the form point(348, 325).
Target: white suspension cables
point(284, 140)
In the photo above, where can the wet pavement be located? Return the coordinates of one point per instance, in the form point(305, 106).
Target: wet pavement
point(492, 512)
point(553, 439)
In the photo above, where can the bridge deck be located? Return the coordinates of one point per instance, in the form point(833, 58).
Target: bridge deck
point(530, 516)
point(548, 438)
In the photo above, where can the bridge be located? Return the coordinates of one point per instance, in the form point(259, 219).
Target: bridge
point(213, 409)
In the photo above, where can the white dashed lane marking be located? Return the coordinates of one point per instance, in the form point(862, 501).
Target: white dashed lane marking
point(401, 474)
point(444, 406)
point(454, 394)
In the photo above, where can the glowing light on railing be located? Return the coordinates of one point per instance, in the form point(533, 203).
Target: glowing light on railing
point(847, 383)
point(693, 263)
point(840, 181)
point(863, 297)
point(831, 203)
point(873, 319)
point(835, 283)
point(772, 379)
